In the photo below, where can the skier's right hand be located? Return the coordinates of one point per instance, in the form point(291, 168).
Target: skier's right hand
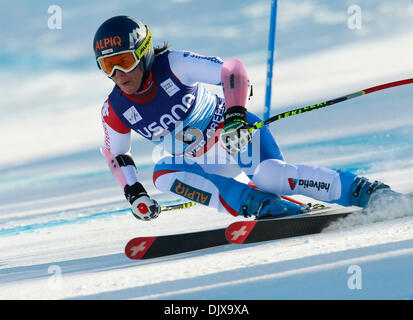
point(235, 135)
point(143, 207)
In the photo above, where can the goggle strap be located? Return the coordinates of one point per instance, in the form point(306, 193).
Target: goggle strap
point(143, 48)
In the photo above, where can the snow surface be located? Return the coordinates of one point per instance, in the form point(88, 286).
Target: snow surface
point(64, 221)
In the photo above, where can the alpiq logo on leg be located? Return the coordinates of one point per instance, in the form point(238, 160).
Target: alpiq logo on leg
point(191, 193)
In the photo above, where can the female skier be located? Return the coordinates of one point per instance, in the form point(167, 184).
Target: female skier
point(158, 94)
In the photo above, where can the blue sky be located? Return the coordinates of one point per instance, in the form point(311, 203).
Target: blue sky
point(216, 27)
point(52, 90)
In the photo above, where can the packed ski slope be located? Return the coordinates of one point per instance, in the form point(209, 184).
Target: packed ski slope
point(56, 246)
point(64, 221)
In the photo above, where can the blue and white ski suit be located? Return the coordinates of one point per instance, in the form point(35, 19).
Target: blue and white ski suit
point(183, 119)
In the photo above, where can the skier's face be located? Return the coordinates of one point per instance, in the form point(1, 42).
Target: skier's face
point(129, 82)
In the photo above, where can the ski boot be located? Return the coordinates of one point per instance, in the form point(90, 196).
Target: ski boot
point(265, 205)
point(378, 199)
point(364, 192)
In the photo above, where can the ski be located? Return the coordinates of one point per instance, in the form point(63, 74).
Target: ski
point(286, 227)
point(159, 246)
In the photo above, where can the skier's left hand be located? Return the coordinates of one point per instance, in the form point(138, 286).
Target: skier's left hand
point(234, 136)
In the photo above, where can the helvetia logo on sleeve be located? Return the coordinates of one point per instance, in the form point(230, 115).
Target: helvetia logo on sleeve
point(191, 193)
point(308, 184)
point(292, 182)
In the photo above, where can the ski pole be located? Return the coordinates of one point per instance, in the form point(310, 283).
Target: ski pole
point(328, 103)
point(191, 204)
point(178, 206)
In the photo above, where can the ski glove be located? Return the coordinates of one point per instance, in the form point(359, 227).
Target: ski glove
point(234, 136)
point(143, 207)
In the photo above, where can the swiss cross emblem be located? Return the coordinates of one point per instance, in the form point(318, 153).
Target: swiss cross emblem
point(136, 249)
point(238, 233)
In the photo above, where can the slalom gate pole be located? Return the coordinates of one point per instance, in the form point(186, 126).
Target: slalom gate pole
point(328, 103)
point(270, 58)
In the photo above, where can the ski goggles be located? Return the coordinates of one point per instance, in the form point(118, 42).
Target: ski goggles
point(126, 60)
